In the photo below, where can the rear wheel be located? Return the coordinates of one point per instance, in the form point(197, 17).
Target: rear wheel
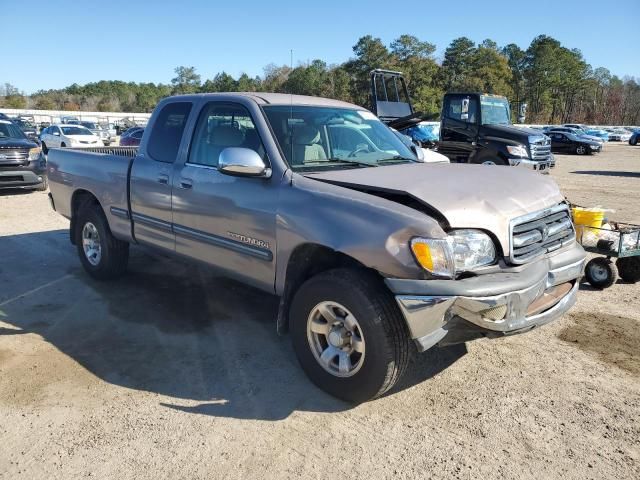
point(62, 145)
point(102, 255)
point(629, 269)
point(633, 140)
point(581, 150)
point(601, 272)
point(349, 334)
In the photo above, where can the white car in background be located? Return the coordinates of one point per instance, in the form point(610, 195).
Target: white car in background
point(60, 136)
point(619, 135)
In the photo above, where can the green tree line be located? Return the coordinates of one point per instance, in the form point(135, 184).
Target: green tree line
point(556, 82)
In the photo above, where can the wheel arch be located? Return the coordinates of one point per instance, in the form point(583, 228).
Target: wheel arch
point(305, 261)
point(80, 198)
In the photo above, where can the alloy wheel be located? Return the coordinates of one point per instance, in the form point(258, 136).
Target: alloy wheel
point(336, 339)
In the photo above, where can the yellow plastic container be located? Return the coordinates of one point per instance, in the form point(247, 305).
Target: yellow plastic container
point(588, 217)
point(583, 218)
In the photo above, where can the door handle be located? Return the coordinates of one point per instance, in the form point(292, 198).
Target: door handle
point(186, 183)
point(164, 179)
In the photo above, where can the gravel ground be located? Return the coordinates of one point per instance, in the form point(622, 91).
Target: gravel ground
point(174, 373)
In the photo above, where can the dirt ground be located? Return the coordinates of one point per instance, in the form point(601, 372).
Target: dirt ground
point(174, 373)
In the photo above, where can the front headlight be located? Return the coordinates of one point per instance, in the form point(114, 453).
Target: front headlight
point(517, 150)
point(471, 249)
point(461, 251)
point(34, 153)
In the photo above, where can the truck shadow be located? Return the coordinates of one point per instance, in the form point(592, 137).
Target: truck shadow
point(204, 344)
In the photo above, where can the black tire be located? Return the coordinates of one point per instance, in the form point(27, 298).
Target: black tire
point(114, 252)
point(485, 160)
point(629, 269)
point(45, 149)
point(581, 150)
point(601, 272)
point(633, 141)
point(382, 326)
point(62, 145)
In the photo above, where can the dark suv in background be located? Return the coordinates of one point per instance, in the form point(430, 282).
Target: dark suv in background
point(22, 164)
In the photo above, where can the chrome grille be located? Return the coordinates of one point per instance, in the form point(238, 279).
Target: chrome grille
point(14, 156)
point(536, 234)
point(540, 148)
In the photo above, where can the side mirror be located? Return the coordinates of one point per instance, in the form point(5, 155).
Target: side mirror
point(522, 113)
point(417, 151)
point(464, 114)
point(242, 162)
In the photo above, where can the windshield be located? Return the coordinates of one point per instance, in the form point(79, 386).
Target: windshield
point(326, 137)
point(9, 130)
point(495, 110)
point(24, 124)
point(75, 131)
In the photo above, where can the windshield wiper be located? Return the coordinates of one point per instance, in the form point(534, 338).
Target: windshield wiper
point(397, 158)
point(353, 162)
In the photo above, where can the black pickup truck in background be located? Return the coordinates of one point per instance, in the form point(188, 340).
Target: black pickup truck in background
point(474, 128)
point(22, 164)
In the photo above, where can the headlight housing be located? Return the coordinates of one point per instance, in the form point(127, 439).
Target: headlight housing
point(517, 150)
point(471, 249)
point(34, 153)
point(461, 251)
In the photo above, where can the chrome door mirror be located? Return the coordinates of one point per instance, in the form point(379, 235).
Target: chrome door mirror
point(242, 162)
point(464, 114)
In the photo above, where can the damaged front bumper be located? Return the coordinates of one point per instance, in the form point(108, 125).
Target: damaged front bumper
point(508, 302)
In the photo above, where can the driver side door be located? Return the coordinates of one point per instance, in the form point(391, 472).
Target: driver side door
point(226, 221)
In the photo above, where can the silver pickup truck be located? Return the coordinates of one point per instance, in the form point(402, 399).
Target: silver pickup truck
point(318, 202)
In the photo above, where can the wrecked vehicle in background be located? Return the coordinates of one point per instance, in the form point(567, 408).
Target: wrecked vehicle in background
point(318, 202)
point(474, 127)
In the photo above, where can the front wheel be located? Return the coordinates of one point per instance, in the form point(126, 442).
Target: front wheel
point(489, 161)
point(348, 334)
point(581, 150)
point(103, 256)
point(601, 272)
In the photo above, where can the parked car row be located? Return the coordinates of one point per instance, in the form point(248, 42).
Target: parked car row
point(68, 135)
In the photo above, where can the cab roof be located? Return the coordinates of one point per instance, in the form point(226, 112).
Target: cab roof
point(265, 98)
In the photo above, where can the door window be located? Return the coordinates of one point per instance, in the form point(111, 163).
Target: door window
point(220, 126)
point(454, 109)
point(167, 130)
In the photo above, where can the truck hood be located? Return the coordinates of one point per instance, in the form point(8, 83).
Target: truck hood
point(17, 143)
point(466, 196)
point(519, 134)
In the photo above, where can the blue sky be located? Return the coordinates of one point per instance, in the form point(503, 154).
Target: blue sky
point(80, 42)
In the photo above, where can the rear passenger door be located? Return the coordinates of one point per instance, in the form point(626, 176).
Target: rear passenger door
point(224, 220)
point(151, 177)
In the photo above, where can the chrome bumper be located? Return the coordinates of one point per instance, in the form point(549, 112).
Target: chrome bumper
point(538, 165)
point(432, 318)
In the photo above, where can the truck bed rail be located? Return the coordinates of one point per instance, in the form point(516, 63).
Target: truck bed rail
point(116, 150)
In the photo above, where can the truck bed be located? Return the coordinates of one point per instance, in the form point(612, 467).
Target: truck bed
point(101, 171)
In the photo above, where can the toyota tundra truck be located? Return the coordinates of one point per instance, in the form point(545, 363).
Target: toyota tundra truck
point(371, 252)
